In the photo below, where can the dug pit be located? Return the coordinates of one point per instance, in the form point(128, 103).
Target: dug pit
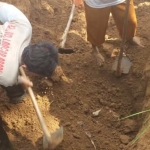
point(92, 88)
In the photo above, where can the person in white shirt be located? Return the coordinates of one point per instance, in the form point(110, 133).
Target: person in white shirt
point(15, 50)
point(97, 14)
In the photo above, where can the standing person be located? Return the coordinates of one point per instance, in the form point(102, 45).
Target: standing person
point(97, 15)
point(15, 37)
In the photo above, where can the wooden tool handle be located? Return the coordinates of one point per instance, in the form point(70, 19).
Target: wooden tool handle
point(38, 112)
point(64, 36)
point(118, 72)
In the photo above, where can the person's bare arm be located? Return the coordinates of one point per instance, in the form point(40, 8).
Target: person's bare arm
point(25, 81)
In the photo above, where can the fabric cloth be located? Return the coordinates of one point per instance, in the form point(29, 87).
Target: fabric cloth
point(102, 3)
point(14, 92)
point(15, 35)
point(97, 21)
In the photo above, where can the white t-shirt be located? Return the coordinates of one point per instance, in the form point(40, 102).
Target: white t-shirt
point(15, 35)
point(102, 3)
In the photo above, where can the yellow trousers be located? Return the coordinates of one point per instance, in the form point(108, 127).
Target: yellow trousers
point(97, 22)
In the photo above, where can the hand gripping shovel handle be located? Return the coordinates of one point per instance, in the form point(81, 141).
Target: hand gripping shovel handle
point(38, 112)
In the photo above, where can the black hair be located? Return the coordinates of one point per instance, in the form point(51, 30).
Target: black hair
point(41, 58)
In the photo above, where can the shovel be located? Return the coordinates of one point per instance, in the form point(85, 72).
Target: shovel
point(122, 63)
point(62, 49)
point(52, 140)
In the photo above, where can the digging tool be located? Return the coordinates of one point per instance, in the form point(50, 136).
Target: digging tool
point(62, 49)
point(122, 63)
point(49, 140)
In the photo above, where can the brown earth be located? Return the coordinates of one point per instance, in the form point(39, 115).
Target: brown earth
point(72, 104)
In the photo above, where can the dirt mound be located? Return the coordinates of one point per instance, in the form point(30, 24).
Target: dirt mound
point(72, 105)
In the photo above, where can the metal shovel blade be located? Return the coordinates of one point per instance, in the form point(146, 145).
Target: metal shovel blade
point(65, 51)
point(56, 139)
point(125, 65)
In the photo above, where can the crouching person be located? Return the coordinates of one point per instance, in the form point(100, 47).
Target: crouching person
point(15, 50)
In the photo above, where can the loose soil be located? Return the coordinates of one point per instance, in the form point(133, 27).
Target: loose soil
point(92, 88)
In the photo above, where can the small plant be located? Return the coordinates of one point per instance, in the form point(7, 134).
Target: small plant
point(144, 130)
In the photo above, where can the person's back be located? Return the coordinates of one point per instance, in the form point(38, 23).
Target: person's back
point(9, 12)
point(15, 35)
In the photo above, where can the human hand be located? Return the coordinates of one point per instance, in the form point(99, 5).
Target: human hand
point(25, 81)
point(78, 2)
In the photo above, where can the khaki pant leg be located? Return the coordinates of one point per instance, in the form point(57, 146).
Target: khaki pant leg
point(97, 21)
point(118, 13)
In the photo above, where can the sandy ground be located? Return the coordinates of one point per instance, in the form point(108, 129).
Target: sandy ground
point(71, 104)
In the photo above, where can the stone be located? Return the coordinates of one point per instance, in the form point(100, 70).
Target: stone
point(129, 126)
point(67, 124)
point(86, 108)
point(124, 139)
point(76, 136)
